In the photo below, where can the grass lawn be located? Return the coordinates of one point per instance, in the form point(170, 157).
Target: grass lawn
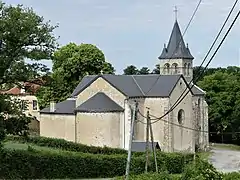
point(226, 146)
point(25, 146)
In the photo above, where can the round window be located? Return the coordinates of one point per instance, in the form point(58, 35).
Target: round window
point(181, 116)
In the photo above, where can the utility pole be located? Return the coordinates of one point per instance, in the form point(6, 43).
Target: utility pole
point(153, 147)
point(130, 140)
point(147, 141)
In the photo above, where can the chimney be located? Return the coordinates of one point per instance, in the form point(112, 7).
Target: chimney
point(52, 106)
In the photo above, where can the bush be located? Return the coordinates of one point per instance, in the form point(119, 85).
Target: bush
point(231, 176)
point(201, 170)
point(34, 164)
point(66, 145)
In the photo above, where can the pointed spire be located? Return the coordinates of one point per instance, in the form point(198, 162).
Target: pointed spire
point(176, 48)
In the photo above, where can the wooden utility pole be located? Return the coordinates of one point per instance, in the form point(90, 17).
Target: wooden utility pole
point(153, 147)
point(130, 140)
point(147, 142)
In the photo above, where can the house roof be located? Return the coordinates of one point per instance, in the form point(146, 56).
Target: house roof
point(135, 85)
point(176, 48)
point(100, 102)
point(140, 146)
point(65, 107)
point(27, 87)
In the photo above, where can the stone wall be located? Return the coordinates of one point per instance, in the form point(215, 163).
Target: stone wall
point(100, 85)
point(182, 133)
point(100, 129)
point(58, 126)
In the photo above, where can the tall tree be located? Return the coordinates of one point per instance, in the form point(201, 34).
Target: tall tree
point(223, 97)
point(131, 70)
point(70, 64)
point(23, 34)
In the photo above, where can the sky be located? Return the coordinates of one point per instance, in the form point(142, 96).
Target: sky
point(133, 32)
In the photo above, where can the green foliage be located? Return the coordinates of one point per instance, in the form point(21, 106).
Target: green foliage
point(70, 64)
point(144, 71)
point(171, 162)
point(223, 98)
point(201, 170)
point(32, 164)
point(66, 145)
point(231, 176)
point(131, 70)
point(23, 35)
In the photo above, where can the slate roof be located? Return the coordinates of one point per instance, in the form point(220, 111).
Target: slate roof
point(176, 48)
point(100, 102)
point(140, 146)
point(197, 90)
point(65, 107)
point(135, 85)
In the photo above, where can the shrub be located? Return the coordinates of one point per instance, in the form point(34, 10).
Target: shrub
point(201, 170)
point(34, 164)
point(231, 176)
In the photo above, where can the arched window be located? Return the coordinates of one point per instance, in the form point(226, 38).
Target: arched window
point(181, 116)
point(185, 69)
point(166, 68)
point(188, 69)
point(174, 68)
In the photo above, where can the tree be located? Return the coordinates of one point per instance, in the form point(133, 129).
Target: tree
point(23, 35)
point(131, 70)
point(156, 70)
point(70, 64)
point(144, 71)
point(223, 97)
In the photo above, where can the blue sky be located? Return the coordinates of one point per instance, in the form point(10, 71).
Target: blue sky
point(134, 31)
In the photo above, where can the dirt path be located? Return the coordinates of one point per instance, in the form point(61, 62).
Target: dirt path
point(225, 160)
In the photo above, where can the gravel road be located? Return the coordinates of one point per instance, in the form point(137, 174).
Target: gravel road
point(225, 160)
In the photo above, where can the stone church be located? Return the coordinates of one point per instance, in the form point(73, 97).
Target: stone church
point(99, 110)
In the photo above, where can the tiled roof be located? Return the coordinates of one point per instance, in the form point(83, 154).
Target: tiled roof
point(100, 102)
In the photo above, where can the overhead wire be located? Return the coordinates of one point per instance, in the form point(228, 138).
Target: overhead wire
point(178, 43)
point(180, 99)
point(209, 51)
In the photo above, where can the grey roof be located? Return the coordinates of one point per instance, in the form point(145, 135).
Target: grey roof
point(65, 107)
point(100, 102)
point(176, 47)
point(197, 91)
point(135, 85)
point(140, 146)
point(84, 83)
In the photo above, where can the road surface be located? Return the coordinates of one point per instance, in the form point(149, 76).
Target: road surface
point(225, 160)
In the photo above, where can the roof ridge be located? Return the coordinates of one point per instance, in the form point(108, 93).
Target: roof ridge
point(138, 86)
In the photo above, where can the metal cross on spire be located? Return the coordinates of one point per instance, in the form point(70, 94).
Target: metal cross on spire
point(176, 12)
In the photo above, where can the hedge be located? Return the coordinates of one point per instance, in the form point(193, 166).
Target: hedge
point(34, 164)
point(66, 145)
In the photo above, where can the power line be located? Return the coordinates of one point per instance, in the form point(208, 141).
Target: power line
point(181, 99)
point(205, 58)
point(178, 125)
point(189, 23)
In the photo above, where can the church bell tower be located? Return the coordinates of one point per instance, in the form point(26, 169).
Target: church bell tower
point(176, 57)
